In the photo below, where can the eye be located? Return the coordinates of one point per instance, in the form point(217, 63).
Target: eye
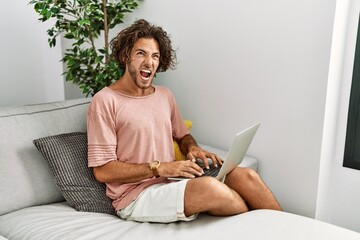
point(156, 56)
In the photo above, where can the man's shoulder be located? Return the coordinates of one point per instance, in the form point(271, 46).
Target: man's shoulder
point(102, 99)
point(105, 95)
point(102, 93)
point(163, 90)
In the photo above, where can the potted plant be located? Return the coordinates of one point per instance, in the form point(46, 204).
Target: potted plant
point(83, 21)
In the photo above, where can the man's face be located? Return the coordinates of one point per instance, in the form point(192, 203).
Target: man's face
point(144, 61)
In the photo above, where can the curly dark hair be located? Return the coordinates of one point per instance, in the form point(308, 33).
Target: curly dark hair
point(122, 44)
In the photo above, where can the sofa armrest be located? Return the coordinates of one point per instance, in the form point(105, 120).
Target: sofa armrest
point(248, 161)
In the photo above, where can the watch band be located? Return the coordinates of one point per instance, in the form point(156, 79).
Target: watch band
point(156, 173)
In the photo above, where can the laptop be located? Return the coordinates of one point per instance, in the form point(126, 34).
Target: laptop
point(235, 155)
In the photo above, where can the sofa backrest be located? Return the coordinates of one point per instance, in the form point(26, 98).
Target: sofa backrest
point(25, 179)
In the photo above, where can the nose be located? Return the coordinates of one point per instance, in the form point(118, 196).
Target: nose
point(149, 61)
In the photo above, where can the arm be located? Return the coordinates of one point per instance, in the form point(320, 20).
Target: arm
point(117, 171)
point(191, 149)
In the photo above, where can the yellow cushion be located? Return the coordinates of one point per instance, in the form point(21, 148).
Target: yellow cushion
point(178, 154)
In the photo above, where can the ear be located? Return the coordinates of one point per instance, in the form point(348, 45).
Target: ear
point(125, 59)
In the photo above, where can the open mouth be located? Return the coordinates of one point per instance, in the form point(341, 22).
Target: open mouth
point(145, 73)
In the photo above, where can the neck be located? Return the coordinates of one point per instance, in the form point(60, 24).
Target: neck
point(126, 86)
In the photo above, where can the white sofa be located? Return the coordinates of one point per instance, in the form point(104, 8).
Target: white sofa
point(32, 207)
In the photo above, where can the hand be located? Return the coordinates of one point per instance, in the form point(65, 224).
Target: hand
point(197, 152)
point(185, 168)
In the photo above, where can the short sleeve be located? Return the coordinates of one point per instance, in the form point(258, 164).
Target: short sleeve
point(179, 129)
point(102, 137)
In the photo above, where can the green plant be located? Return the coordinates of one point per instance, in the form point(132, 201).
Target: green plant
point(83, 21)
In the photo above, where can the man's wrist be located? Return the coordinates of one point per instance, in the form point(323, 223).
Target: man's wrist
point(192, 147)
point(187, 143)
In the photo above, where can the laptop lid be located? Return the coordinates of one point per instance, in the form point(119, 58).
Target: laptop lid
point(237, 150)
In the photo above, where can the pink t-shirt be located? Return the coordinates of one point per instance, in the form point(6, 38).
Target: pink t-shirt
point(132, 130)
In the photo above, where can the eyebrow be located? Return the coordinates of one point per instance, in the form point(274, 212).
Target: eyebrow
point(142, 50)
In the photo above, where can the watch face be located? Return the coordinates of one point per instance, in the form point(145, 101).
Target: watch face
point(154, 164)
point(154, 167)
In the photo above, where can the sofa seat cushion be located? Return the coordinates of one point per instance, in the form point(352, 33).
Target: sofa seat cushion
point(60, 221)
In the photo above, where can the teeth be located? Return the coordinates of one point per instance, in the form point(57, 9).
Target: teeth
point(145, 73)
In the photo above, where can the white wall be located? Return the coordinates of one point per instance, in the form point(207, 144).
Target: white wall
point(243, 62)
point(30, 72)
point(339, 192)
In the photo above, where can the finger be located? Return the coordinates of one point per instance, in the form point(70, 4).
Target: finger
point(217, 159)
point(185, 174)
point(191, 157)
point(194, 172)
point(214, 160)
point(220, 161)
point(191, 169)
point(197, 168)
point(205, 161)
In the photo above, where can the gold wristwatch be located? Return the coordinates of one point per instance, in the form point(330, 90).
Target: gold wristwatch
point(154, 165)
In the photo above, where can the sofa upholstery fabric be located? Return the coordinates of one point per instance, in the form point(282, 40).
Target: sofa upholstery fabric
point(24, 176)
point(59, 221)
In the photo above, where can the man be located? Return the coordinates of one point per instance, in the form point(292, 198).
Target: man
point(131, 126)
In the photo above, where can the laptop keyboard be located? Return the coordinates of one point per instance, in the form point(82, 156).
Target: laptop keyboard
point(212, 171)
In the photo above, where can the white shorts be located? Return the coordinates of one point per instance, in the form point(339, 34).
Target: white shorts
point(162, 203)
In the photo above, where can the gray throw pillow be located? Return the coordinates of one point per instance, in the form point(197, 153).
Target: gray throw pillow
point(66, 155)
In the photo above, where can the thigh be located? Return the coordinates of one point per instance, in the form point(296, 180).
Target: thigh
point(206, 194)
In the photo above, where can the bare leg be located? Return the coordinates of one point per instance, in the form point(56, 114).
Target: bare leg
point(206, 194)
point(248, 184)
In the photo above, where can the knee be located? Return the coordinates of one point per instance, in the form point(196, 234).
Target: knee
point(215, 189)
point(212, 185)
point(243, 175)
point(251, 175)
